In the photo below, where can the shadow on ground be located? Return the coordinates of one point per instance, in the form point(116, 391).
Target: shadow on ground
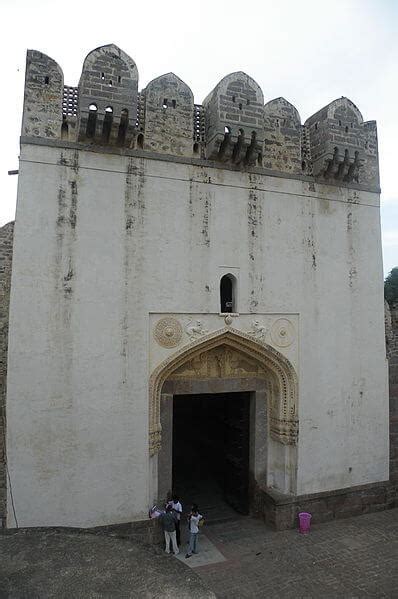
point(64, 564)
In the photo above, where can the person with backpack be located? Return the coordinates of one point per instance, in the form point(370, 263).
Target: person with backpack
point(168, 521)
point(177, 510)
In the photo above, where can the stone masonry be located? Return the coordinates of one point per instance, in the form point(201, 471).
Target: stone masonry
point(6, 239)
point(392, 354)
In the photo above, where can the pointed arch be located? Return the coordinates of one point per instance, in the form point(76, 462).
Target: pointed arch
point(109, 53)
point(282, 108)
point(277, 368)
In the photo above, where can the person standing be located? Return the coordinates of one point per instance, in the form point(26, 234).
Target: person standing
point(168, 521)
point(177, 510)
point(193, 526)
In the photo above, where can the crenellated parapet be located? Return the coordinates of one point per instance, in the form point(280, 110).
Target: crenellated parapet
point(234, 121)
point(108, 90)
point(282, 137)
point(168, 117)
point(232, 127)
point(44, 83)
point(343, 147)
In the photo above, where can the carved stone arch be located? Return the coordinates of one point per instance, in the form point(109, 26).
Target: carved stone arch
point(276, 368)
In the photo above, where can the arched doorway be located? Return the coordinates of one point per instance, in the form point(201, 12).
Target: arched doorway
point(238, 397)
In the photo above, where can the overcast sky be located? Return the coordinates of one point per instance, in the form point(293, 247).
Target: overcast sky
point(309, 52)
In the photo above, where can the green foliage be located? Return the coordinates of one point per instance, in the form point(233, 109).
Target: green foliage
point(391, 286)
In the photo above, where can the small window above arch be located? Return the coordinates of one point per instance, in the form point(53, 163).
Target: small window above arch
point(109, 109)
point(228, 293)
point(93, 108)
point(46, 80)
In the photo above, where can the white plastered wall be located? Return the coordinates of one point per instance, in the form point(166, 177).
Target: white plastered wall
point(102, 241)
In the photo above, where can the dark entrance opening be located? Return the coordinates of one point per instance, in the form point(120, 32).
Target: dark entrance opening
point(211, 448)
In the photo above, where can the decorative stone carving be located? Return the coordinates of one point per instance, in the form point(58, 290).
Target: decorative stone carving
point(258, 331)
point(282, 332)
point(230, 350)
point(221, 362)
point(195, 330)
point(168, 332)
point(228, 320)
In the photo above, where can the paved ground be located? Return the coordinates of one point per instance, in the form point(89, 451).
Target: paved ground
point(352, 558)
point(62, 564)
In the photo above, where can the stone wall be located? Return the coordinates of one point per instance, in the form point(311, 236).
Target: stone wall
point(44, 82)
point(234, 126)
point(116, 238)
point(6, 239)
point(281, 511)
point(392, 354)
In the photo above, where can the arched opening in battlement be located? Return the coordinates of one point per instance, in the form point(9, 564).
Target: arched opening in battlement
point(123, 125)
point(140, 141)
point(107, 124)
point(64, 128)
point(228, 291)
point(92, 121)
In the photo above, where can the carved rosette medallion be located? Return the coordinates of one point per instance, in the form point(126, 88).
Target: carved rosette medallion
point(168, 332)
point(282, 332)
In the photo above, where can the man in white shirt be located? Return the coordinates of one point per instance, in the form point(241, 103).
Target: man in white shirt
point(177, 510)
point(193, 525)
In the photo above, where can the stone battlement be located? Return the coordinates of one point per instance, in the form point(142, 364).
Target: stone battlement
point(232, 126)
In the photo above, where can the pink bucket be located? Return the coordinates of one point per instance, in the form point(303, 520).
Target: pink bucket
point(304, 523)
